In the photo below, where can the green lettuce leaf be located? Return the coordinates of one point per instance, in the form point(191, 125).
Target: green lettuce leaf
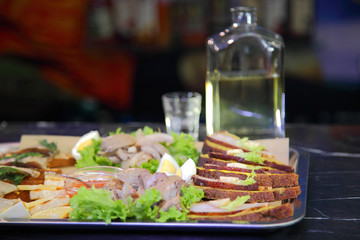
point(117, 131)
point(146, 131)
point(183, 148)
point(173, 214)
point(251, 157)
point(190, 195)
point(237, 202)
point(250, 145)
point(51, 146)
point(20, 156)
point(12, 174)
point(144, 207)
point(90, 158)
point(151, 165)
point(248, 181)
point(96, 205)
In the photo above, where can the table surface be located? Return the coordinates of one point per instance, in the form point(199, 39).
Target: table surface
point(333, 202)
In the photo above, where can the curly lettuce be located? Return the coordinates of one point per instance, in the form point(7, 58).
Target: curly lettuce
point(89, 156)
point(251, 157)
point(96, 205)
point(236, 203)
point(12, 174)
point(151, 165)
point(183, 148)
point(252, 146)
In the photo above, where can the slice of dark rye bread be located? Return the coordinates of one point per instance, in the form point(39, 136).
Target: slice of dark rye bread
point(264, 179)
point(212, 145)
point(259, 214)
point(222, 142)
point(223, 159)
point(257, 169)
point(215, 183)
point(275, 194)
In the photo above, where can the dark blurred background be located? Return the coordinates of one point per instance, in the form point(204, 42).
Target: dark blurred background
point(111, 60)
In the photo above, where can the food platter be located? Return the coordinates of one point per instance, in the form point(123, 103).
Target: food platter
point(298, 159)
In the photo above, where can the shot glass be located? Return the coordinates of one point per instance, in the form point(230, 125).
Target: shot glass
point(182, 112)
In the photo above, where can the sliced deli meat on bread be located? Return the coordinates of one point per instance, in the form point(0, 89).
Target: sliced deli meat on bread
point(275, 194)
point(263, 179)
point(256, 214)
point(6, 188)
point(212, 145)
point(268, 162)
point(224, 159)
point(36, 157)
point(234, 166)
point(224, 141)
point(215, 183)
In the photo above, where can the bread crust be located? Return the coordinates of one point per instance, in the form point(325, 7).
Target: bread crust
point(276, 194)
point(264, 179)
point(270, 213)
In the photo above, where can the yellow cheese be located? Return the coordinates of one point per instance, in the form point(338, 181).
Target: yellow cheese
point(36, 187)
point(38, 202)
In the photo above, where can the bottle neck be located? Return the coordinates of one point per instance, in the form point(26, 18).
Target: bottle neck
point(243, 15)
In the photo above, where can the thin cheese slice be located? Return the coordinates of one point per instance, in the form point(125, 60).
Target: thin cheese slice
point(53, 203)
point(37, 194)
point(54, 180)
point(53, 213)
point(38, 202)
point(36, 187)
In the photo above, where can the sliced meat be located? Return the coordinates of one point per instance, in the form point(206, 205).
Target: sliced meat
point(231, 168)
point(6, 188)
point(208, 207)
point(139, 133)
point(7, 162)
point(170, 187)
point(225, 137)
point(155, 138)
point(153, 179)
point(114, 142)
point(160, 148)
point(6, 203)
point(121, 190)
point(30, 171)
point(132, 162)
point(43, 151)
point(114, 159)
point(114, 187)
point(147, 157)
point(124, 154)
point(131, 176)
point(267, 162)
point(128, 191)
point(151, 151)
point(33, 162)
point(173, 202)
